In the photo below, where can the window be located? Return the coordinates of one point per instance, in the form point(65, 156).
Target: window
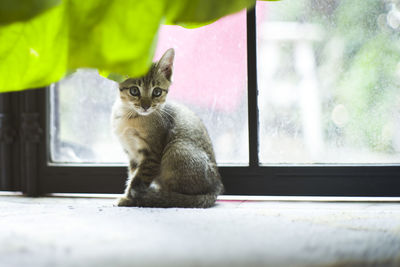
point(215, 88)
point(328, 82)
point(302, 101)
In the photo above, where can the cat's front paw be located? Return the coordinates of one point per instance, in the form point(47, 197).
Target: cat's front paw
point(139, 186)
point(125, 202)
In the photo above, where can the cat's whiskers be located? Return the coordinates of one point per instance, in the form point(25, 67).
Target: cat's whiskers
point(164, 112)
point(129, 114)
point(165, 117)
point(159, 118)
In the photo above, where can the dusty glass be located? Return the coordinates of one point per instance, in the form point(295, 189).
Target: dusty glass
point(210, 74)
point(328, 77)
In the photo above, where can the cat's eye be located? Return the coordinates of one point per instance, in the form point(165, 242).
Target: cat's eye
point(134, 91)
point(157, 92)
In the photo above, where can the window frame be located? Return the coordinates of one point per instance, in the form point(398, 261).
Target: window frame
point(25, 164)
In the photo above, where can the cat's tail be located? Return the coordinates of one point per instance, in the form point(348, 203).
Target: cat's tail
point(167, 199)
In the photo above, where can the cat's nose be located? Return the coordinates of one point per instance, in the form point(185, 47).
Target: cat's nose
point(145, 106)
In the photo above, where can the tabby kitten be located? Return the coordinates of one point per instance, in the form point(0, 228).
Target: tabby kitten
point(172, 162)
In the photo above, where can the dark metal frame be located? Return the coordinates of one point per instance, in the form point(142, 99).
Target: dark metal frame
point(21, 135)
point(24, 157)
point(9, 142)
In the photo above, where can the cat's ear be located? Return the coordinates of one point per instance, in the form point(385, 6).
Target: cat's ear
point(166, 62)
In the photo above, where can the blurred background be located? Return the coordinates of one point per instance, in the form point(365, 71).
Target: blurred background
point(328, 77)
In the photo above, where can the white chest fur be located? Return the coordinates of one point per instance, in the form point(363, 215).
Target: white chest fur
point(130, 133)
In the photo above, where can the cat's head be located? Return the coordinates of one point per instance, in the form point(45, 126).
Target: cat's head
point(148, 93)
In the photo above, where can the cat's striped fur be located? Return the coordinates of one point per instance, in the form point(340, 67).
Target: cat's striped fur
point(172, 162)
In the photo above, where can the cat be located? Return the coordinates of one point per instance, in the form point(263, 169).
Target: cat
point(171, 158)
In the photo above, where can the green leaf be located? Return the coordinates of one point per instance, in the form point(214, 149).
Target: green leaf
point(195, 13)
point(21, 10)
point(33, 53)
point(42, 40)
point(113, 36)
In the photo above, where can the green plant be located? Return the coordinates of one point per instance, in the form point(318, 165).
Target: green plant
point(42, 40)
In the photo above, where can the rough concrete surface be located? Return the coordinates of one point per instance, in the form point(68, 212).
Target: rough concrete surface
point(92, 232)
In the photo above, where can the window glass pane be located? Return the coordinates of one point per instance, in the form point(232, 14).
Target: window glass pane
point(328, 76)
point(210, 76)
point(80, 130)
